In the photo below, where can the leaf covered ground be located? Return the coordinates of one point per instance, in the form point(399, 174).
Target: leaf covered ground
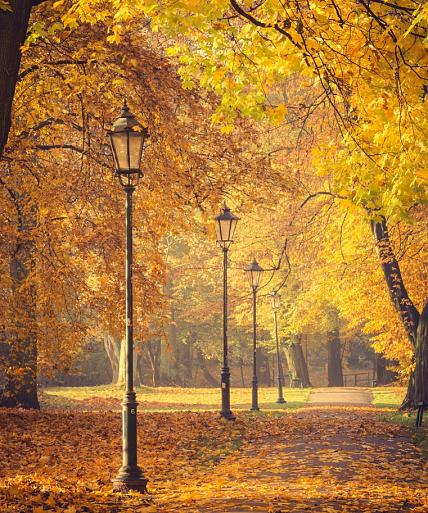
point(313, 459)
point(109, 397)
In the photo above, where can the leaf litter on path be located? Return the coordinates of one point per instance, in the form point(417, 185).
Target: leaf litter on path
point(315, 459)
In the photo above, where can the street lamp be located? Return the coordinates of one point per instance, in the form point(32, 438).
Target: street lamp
point(254, 273)
point(127, 138)
point(275, 306)
point(225, 225)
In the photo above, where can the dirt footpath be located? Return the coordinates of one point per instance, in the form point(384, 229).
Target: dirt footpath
point(341, 396)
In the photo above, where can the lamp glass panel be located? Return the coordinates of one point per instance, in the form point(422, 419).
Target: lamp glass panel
point(120, 150)
point(224, 229)
point(217, 229)
point(249, 277)
point(256, 277)
point(135, 149)
point(275, 300)
point(233, 227)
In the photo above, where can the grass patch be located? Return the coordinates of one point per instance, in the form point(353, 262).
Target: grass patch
point(109, 397)
point(388, 397)
point(392, 397)
point(408, 419)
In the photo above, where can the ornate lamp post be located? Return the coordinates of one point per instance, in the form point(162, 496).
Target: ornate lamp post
point(127, 138)
point(225, 225)
point(275, 307)
point(254, 273)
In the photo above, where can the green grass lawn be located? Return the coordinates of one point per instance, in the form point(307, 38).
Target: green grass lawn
point(392, 397)
point(108, 397)
point(388, 397)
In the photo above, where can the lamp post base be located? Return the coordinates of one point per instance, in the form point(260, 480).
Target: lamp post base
point(130, 479)
point(281, 400)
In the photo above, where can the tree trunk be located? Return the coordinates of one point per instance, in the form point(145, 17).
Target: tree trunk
point(241, 368)
point(120, 350)
point(384, 376)
point(263, 370)
point(21, 361)
point(187, 357)
point(121, 373)
point(297, 364)
point(421, 370)
point(112, 347)
point(154, 352)
point(13, 31)
point(335, 373)
point(174, 344)
point(116, 352)
point(400, 299)
point(394, 280)
point(139, 369)
point(21, 369)
point(21, 373)
point(202, 364)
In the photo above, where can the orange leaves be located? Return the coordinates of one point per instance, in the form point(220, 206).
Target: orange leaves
point(311, 460)
point(60, 165)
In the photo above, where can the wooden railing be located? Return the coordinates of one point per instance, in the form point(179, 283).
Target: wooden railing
point(361, 379)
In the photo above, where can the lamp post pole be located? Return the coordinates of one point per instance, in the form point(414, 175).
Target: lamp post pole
point(225, 372)
point(254, 273)
point(225, 225)
point(127, 139)
point(255, 399)
point(130, 476)
point(280, 399)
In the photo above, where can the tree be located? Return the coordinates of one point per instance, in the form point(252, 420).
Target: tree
point(73, 209)
point(334, 350)
point(297, 364)
point(421, 371)
point(349, 53)
point(14, 18)
point(311, 76)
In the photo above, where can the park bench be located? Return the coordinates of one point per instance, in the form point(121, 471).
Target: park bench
point(419, 416)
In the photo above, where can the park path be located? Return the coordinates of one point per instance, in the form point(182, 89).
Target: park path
point(341, 396)
point(317, 459)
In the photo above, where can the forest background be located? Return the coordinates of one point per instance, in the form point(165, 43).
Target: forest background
point(309, 119)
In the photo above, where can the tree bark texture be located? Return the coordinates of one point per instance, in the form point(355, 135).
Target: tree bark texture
point(154, 352)
point(116, 352)
point(297, 365)
point(112, 347)
point(202, 364)
point(400, 299)
point(384, 376)
point(21, 373)
point(121, 374)
point(407, 311)
point(13, 31)
point(421, 370)
point(334, 370)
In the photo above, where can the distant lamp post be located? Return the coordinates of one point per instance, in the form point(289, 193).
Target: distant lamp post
point(254, 273)
point(127, 139)
point(275, 307)
point(225, 225)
